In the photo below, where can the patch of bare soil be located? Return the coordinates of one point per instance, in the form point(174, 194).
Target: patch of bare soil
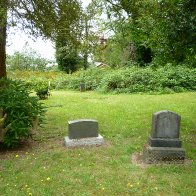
point(137, 159)
point(23, 147)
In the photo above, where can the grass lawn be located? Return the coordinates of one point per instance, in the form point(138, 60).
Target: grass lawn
point(46, 167)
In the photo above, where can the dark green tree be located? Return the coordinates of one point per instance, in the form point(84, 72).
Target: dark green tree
point(67, 56)
point(38, 17)
point(68, 36)
point(162, 31)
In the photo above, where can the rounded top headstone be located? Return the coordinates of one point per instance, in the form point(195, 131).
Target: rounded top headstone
point(165, 124)
point(82, 128)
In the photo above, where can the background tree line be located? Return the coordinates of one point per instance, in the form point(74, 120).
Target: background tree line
point(150, 31)
point(142, 32)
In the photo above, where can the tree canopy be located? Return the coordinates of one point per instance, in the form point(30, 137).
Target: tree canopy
point(162, 31)
point(39, 17)
point(142, 31)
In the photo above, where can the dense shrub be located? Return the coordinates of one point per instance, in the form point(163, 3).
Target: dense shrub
point(178, 77)
point(21, 111)
point(43, 92)
point(134, 80)
point(166, 79)
point(92, 77)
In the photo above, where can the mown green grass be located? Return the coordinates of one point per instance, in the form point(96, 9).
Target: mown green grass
point(48, 168)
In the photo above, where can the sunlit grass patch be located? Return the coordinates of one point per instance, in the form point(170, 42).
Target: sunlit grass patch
point(48, 168)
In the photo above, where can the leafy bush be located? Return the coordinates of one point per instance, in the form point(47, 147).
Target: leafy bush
point(134, 80)
point(42, 92)
point(178, 77)
point(21, 111)
point(92, 77)
point(166, 79)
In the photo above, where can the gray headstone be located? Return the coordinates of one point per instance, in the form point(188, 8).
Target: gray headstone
point(164, 143)
point(82, 87)
point(83, 128)
point(165, 124)
point(83, 132)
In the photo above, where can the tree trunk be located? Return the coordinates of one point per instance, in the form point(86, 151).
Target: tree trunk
point(86, 44)
point(3, 23)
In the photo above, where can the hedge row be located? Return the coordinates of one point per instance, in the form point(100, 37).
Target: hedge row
point(130, 80)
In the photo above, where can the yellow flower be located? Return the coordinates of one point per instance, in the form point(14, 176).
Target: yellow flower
point(30, 193)
point(48, 179)
point(129, 185)
point(17, 156)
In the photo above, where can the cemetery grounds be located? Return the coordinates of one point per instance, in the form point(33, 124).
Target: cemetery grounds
point(44, 166)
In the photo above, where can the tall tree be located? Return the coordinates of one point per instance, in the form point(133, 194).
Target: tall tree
point(164, 29)
point(38, 17)
point(3, 24)
point(68, 35)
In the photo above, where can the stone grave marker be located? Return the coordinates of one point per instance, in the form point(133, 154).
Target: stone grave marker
point(83, 132)
point(82, 87)
point(164, 143)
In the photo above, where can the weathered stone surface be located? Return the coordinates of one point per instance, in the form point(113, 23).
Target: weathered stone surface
point(160, 142)
point(164, 143)
point(157, 154)
point(165, 124)
point(82, 87)
point(91, 141)
point(83, 128)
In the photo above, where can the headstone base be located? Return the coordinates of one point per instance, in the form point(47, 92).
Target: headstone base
point(91, 141)
point(161, 142)
point(160, 154)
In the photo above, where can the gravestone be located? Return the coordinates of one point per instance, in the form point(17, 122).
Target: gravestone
point(82, 87)
point(83, 132)
point(164, 143)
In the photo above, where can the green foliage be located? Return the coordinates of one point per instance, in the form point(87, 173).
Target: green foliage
point(162, 31)
point(67, 37)
point(166, 79)
point(21, 110)
point(92, 77)
point(42, 92)
point(67, 56)
point(168, 28)
point(28, 59)
point(47, 18)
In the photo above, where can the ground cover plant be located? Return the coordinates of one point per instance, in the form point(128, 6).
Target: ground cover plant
point(46, 167)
